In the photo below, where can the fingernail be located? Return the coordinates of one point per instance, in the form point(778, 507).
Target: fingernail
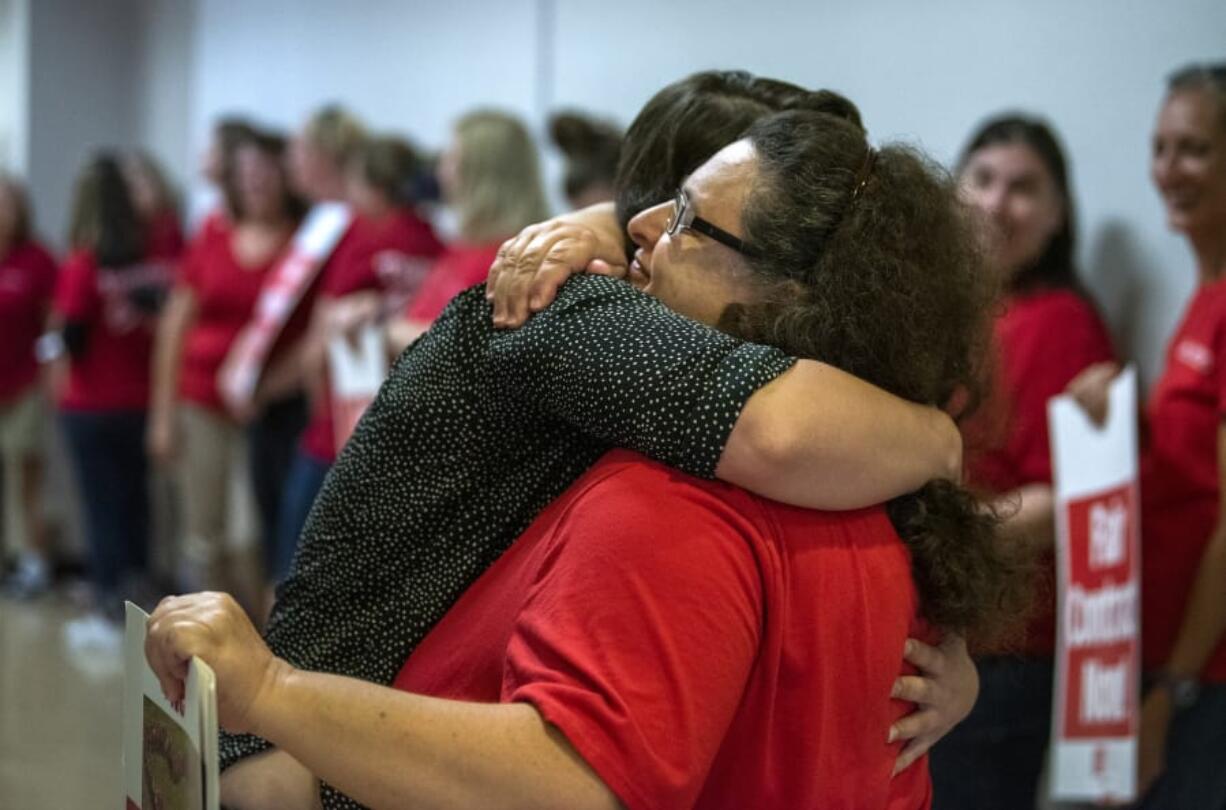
point(895, 689)
point(908, 648)
point(535, 302)
point(892, 736)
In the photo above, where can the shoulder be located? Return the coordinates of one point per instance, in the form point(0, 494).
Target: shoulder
point(31, 255)
point(626, 497)
point(1055, 317)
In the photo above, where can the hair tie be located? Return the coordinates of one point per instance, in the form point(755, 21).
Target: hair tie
point(866, 171)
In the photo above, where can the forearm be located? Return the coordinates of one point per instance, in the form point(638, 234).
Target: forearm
point(168, 350)
point(387, 748)
point(1204, 618)
point(821, 438)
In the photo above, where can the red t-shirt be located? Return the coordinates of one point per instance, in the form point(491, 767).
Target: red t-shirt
point(164, 235)
point(699, 646)
point(27, 282)
point(392, 253)
point(113, 371)
point(460, 267)
point(226, 293)
point(1043, 340)
point(1179, 474)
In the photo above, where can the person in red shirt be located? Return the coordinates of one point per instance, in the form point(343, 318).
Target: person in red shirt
point(1014, 174)
point(213, 297)
point(27, 280)
point(317, 157)
point(739, 653)
point(1183, 461)
point(106, 302)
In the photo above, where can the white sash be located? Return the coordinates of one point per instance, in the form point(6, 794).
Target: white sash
point(280, 295)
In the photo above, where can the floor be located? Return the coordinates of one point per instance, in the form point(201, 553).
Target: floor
point(60, 712)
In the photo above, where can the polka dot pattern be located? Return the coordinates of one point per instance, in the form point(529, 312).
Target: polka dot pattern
point(474, 432)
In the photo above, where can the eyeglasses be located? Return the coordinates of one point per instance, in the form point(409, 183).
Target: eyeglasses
point(683, 216)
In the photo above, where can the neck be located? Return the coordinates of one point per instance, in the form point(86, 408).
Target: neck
point(1209, 248)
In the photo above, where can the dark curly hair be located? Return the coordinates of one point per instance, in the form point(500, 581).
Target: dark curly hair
point(865, 260)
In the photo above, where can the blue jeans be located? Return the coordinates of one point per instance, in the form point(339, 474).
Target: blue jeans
point(272, 441)
point(994, 758)
point(108, 455)
point(1195, 775)
point(305, 479)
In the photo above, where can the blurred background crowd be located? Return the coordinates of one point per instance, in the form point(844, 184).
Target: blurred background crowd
point(129, 474)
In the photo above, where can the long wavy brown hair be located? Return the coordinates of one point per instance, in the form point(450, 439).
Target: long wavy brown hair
point(866, 260)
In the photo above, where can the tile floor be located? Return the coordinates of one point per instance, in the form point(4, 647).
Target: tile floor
point(59, 714)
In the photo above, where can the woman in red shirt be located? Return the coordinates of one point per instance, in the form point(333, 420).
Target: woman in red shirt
point(490, 178)
point(1014, 173)
point(1183, 461)
point(218, 284)
point(27, 279)
point(106, 303)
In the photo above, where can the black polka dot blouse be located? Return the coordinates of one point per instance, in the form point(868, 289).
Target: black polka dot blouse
point(473, 433)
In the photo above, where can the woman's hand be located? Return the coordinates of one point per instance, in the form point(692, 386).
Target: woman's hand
point(346, 317)
point(214, 628)
point(1091, 387)
point(532, 266)
point(1151, 742)
point(944, 692)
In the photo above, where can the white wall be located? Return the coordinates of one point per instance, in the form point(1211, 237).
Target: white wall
point(14, 84)
point(925, 72)
point(83, 60)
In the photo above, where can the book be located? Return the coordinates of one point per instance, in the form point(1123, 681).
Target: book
point(169, 751)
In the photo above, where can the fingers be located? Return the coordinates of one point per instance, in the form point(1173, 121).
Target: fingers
point(926, 658)
point(914, 689)
point(915, 725)
point(910, 753)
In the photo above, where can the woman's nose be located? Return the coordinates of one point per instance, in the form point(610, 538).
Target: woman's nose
point(648, 225)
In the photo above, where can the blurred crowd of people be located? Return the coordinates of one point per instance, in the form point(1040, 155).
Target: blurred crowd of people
point(137, 329)
point(134, 324)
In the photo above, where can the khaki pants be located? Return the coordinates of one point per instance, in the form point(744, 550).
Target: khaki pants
point(219, 516)
point(22, 430)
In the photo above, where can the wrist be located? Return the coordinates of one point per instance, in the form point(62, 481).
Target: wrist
point(271, 706)
point(1180, 691)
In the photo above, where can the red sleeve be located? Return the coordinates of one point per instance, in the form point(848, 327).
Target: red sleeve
point(76, 290)
point(1070, 339)
point(452, 274)
point(638, 637)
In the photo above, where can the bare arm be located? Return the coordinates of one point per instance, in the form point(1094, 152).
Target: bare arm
point(381, 746)
point(1030, 516)
point(176, 319)
point(819, 437)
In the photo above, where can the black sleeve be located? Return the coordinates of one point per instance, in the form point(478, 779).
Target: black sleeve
point(76, 338)
point(619, 365)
